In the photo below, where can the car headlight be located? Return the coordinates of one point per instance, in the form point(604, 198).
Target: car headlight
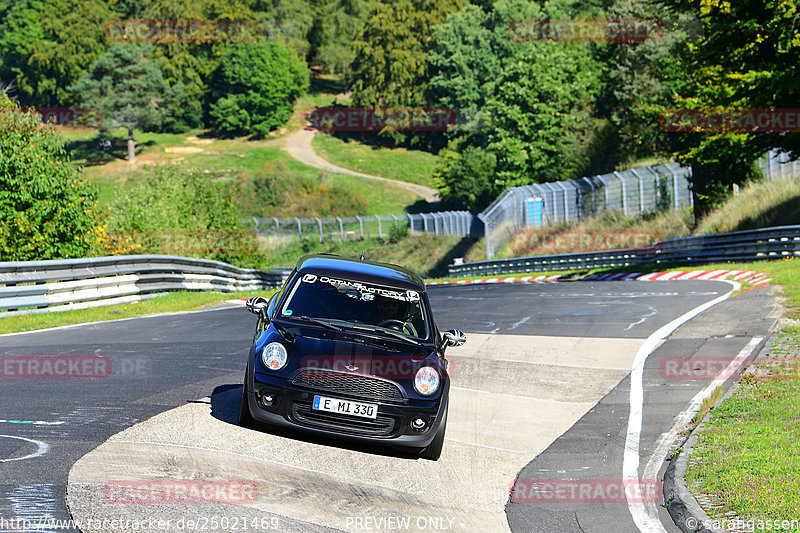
point(426, 381)
point(274, 356)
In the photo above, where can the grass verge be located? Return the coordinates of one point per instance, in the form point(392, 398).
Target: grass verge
point(234, 159)
point(426, 254)
point(413, 166)
point(746, 460)
point(169, 303)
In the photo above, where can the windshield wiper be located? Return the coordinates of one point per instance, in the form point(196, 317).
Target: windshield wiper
point(320, 322)
point(389, 333)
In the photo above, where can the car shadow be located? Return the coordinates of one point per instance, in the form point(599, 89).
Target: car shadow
point(225, 407)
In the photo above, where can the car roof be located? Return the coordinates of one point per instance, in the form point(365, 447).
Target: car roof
point(364, 271)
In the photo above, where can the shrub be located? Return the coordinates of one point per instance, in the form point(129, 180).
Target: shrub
point(182, 212)
point(46, 210)
point(255, 87)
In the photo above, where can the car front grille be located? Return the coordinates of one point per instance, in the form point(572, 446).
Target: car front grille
point(381, 426)
point(349, 384)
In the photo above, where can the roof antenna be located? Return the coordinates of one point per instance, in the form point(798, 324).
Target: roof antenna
point(363, 254)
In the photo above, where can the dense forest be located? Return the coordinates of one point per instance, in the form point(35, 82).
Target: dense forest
point(532, 107)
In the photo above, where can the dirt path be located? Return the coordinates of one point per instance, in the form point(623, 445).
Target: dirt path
point(298, 144)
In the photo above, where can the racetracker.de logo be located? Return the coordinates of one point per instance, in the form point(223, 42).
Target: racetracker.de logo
point(730, 120)
point(180, 492)
point(398, 118)
point(697, 368)
point(55, 366)
point(585, 30)
point(585, 491)
point(181, 31)
point(71, 117)
point(384, 366)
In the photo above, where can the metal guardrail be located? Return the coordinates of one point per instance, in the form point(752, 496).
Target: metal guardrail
point(754, 245)
point(43, 286)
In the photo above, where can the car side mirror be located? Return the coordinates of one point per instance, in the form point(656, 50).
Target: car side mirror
point(257, 305)
point(452, 337)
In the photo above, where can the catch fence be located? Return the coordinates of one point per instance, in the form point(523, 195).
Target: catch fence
point(458, 223)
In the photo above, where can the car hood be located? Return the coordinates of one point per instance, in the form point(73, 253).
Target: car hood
point(361, 354)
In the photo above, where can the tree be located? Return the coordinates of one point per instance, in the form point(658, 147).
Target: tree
point(390, 68)
point(255, 87)
point(542, 114)
point(48, 46)
point(747, 59)
point(187, 66)
point(643, 76)
point(127, 87)
point(46, 210)
point(337, 24)
point(530, 105)
point(466, 179)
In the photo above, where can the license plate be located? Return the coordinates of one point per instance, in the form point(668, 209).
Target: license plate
point(345, 407)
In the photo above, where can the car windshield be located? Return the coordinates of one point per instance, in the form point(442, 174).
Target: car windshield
point(354, 304)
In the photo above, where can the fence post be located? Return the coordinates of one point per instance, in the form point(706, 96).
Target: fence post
point(486, 235)
point(341, 227)
point(380, 231)
point(319, 221)
point(624, 194)
point(641, 190)
point(410, 224)
point(594, 194)
point(566, 206)
point(396, 223)
point(424, 222)
point(277, 227)
point(676, 200)
point(361, 225)
point(658, 190)
point(299, 229)
point(605, 190)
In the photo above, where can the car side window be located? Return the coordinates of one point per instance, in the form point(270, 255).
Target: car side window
point(273, 302)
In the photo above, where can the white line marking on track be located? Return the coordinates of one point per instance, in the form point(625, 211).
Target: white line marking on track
point(33, 422)
point(519, 323)
point(645, 317)
point(666, 440)
point(41, 448)
point(630, 462)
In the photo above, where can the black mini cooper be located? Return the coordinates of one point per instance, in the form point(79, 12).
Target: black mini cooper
point(350, 349)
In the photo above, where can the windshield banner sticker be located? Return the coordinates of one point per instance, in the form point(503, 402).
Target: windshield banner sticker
point(367, 293)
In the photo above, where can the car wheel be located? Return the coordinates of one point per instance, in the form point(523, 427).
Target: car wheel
point(434, 450)
point(245, 417)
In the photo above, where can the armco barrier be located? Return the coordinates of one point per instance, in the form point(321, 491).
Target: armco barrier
point(754, 245)
point(42, 286)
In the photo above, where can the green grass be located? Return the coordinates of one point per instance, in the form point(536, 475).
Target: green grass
point(762, 204)
point(601, 233)
point(170, 303)
point(746, 460)
point(224, 158)
point(426, 254)
point(413, 166)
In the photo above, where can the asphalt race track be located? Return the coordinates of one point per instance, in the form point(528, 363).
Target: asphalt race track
point(540, 435)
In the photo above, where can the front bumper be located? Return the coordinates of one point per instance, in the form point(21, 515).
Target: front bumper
point(291, 408)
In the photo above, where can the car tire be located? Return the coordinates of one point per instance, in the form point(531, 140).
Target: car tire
point(245, 418)
point(434, 450)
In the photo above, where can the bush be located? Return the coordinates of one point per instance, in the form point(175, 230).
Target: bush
point(255, 87)
point(466, 180)
point(179, 212)
point(274, 193)
point(46, 210)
